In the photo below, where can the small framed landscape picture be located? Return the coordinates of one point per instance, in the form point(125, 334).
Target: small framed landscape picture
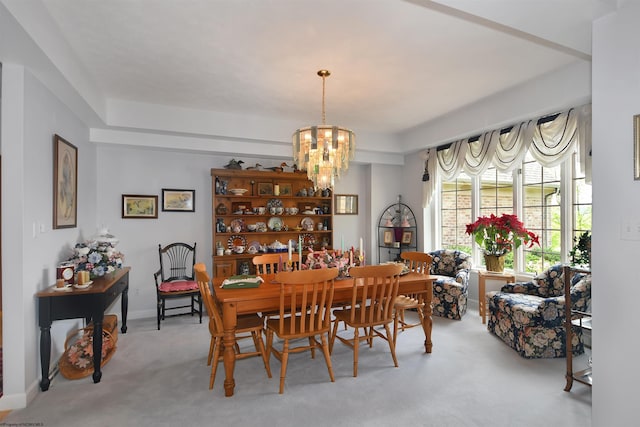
point(388, 237)
point(265, 189)
point(286, 189)
point(406, 237)
point(178, 200)
point(138, 206)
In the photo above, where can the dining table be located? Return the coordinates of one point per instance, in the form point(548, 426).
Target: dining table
point(266, 298)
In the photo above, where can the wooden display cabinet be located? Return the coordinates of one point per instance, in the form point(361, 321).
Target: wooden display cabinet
point(233, 215)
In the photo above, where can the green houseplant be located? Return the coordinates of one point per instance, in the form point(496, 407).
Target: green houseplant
point(580, 254)
point(497, 236)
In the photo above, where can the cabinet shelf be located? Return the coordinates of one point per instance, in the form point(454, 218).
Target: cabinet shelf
point(397, 231)
point(294, 184)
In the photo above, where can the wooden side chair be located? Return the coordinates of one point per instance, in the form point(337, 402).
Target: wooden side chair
point(375, 289)
point(251, 324)
point(175, 279)
point(417, 262)
point(305, 312)
point(268, 263)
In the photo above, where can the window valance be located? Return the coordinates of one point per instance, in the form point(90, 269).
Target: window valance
point(550, 140)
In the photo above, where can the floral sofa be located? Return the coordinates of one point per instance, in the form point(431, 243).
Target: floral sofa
point(529, 316)
point(451, 288)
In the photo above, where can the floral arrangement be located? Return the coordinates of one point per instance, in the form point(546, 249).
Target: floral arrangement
point(499, 235)
point(98, 258)
point(331, 259)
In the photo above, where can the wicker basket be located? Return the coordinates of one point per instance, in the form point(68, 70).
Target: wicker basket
point(82, 339)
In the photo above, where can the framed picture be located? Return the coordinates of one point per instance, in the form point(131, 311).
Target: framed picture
point(346, 204)
point(137, 206)
point(286, 189)
point(406, 237)
point(65, 183)
point(178, 200)
point(265, 189)
point(636, 147)
point(388, 238)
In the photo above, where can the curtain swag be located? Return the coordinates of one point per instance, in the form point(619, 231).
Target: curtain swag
point(550, 142)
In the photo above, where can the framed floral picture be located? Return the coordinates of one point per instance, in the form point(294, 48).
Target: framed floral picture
point(406, 237)
point(388, 237)
point(137, 206)
point(65, 183)
point(178, 200)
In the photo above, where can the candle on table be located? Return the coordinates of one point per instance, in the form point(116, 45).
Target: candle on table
point(300, 247)
point(361, 246)
point(290, 249)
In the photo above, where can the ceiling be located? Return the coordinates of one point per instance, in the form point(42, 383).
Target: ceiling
point(395, 64)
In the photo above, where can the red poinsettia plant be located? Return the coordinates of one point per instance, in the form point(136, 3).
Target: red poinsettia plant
point(499, 235)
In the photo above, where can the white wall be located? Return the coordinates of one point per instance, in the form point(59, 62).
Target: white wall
point(616, 199)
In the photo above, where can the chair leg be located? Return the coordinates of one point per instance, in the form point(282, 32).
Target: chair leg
point(395, 326)
point(216, 360)
point(257, 337)
point(327, 356)
point(332, 339)
point(269, 333)
point(158, 309)
point(356, 345)
point(283, 368)
point(392, 346)
point(200, 307)
point(313, 347)
point(212, 346)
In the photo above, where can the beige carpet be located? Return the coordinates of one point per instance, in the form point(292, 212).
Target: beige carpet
point(160, 378)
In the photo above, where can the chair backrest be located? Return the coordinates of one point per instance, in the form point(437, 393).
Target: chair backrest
point(213, 309)
point(268, 263)
point(309, 292)
point(418, 262)
point(448, 262)
point(374, 287)
point(177, 261)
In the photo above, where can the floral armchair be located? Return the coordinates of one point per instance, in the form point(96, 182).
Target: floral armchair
point(451, 288)
point(529, 316)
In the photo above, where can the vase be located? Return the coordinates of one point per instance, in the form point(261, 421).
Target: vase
point(494, 262)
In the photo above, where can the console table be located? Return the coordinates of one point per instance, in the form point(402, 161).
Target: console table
point(90, 304)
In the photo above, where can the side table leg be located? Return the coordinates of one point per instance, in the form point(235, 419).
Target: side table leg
point(124, 308)
point(97, 349)
point(45, 356)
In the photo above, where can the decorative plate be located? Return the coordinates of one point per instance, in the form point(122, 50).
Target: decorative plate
point(261, 226)
point(275, 222)
point(274, 203)
point(85, 286)
point(238, 191)
point(236, 240)
point(236, 223)
point(254, 244)
point(62, 289)
point(307, 223)
point(308, 241)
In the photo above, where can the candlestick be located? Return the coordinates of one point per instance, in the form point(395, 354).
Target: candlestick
point(300, 248)
point(290, 249)
point(361, 246)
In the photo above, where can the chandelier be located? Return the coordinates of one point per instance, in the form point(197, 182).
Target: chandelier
point(323, 150)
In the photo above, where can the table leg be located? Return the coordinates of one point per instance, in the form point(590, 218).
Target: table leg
point(427, 321)
point(97, 347)
point(481, 300)
point(124, 308)
point(45, 355)
point(229, 321)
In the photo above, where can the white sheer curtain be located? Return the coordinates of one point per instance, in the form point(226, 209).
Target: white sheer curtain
point(548, 141)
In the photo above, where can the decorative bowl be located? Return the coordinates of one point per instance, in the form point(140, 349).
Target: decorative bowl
point(238, 191)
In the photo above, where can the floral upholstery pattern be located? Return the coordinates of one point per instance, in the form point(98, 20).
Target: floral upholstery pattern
point(451, 288)
point(529, 316)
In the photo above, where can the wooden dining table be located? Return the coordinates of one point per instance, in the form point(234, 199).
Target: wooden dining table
point(266, 298)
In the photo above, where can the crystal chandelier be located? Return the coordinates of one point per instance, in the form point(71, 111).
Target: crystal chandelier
point(323, 150)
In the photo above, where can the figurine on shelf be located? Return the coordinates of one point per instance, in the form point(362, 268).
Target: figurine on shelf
point(256, 167)
point(234, 164)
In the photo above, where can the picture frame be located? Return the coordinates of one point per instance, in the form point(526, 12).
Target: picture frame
point(175, 200)
point(265, 189)
point(286, 189)
point(346, 204)
point(636, 147)
point(65, 183)
point(139, 206)
point(406, 237)
point(388, 238)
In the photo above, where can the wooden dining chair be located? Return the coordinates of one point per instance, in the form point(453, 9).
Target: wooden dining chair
point(417, 262)
point(374, 291)
point(305, 312)
point(249, 325)
point(268, 263)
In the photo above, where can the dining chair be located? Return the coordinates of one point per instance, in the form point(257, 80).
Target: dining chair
point(251, 324)
point(175, 279)
point(417, 262)
point(305, 312)
point(269, 263)
point(374, 291)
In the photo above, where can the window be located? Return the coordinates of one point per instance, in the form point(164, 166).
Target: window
point(534, 193)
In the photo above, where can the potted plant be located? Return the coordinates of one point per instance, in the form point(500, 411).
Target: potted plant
point(497, 236)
